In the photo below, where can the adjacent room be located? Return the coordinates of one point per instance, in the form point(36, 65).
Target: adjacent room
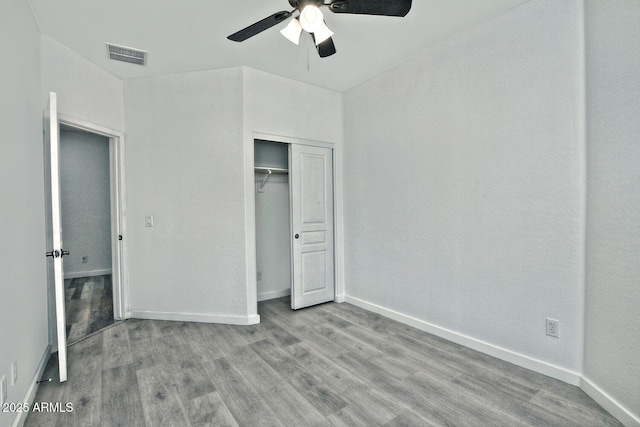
point(320, 213)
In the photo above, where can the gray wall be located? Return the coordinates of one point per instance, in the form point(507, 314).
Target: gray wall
point(190, 164)
point(464, 187)
point(273, 226)
point(85, 202)
point(85, 91)
point(185, 166)
point(612, 344)
point(23, 304)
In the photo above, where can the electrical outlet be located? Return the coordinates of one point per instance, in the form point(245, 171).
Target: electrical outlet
point(85, 259)
point(259, 275)
point(3, 390)
point(148, 221)
point(14, 372)
point(552, 327)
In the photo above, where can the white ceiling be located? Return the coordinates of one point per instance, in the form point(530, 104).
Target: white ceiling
point(189, 35)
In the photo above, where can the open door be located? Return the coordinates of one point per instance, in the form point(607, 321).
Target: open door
point(52, 148)
point(311, 187)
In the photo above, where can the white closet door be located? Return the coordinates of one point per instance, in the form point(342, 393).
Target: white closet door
point(311, 187)
point(52, 148)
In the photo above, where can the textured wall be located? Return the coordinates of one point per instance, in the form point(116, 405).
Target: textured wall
point(85, 202)
point(278, 106)
point(185, 166)
point(85, 91)
point(612, 342)
point(464, 185)
point(23, 280)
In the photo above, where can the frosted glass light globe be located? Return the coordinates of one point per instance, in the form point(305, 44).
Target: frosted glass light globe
point(311, 18)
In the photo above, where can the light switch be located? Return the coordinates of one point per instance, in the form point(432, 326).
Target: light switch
point(148, 221)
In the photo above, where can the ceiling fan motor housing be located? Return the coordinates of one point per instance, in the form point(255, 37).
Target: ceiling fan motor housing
point(300, 4)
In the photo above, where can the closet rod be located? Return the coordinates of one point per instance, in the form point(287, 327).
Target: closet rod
point(270, 171)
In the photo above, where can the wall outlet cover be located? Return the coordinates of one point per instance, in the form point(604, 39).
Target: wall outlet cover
point(3, 390)
point(552, 328)
point(14, 372)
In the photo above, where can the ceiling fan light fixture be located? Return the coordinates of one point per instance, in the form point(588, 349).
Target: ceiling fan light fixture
point(292, 31)
point(322, 33)
point(311, 18)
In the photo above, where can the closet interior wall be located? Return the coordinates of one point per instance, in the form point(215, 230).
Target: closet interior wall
point(273, 229)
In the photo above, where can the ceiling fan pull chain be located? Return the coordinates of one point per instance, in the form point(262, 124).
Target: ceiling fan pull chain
point(308, 49)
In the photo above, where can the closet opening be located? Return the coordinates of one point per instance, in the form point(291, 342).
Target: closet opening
point(273, 224)
point(294, 222)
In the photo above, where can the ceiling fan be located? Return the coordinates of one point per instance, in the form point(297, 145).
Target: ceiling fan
point(311, 20)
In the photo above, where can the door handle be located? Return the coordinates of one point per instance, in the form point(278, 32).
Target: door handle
point(297, 236)
point(56, 254)
point(64, 253)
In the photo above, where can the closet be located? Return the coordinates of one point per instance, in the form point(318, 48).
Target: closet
point(294, 222)
point(273, 228)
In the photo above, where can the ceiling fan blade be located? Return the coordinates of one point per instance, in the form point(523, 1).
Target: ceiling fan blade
point(326, 48)
point(259, 26)
point(372, 7)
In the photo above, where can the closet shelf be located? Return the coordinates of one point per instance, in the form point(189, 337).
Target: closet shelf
point(270, 171)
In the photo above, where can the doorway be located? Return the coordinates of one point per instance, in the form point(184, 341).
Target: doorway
point(294, 222)
point(111, 276)
point(85, 193)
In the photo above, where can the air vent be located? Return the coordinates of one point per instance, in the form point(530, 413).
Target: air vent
point(126, 54)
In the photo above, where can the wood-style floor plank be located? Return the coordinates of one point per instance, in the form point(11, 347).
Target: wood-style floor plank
point(209, 410)
point(161, 403)
point(88, 306)
point(367, 407)
point(321, 396)
point(116, 347)
point(84, 370)
point(247, 407)
point(327, 365)
point(121, 403)
point(408, 419)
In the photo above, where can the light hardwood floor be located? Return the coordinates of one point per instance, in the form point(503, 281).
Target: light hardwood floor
point(329, 365)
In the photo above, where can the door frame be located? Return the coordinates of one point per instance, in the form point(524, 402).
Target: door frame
point(119, 276)
point(252, 284)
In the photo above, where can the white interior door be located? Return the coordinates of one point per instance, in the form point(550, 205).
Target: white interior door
point(311, 187)
point(52, 145)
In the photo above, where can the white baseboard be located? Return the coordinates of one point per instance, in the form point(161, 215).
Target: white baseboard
point(274, 294)
point(527, 362)
point(614, 407)
point(340, 299)
point(194, 317)
point(29, 397)
point(90, 273)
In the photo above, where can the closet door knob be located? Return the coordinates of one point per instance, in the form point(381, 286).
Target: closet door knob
point(297, 236)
